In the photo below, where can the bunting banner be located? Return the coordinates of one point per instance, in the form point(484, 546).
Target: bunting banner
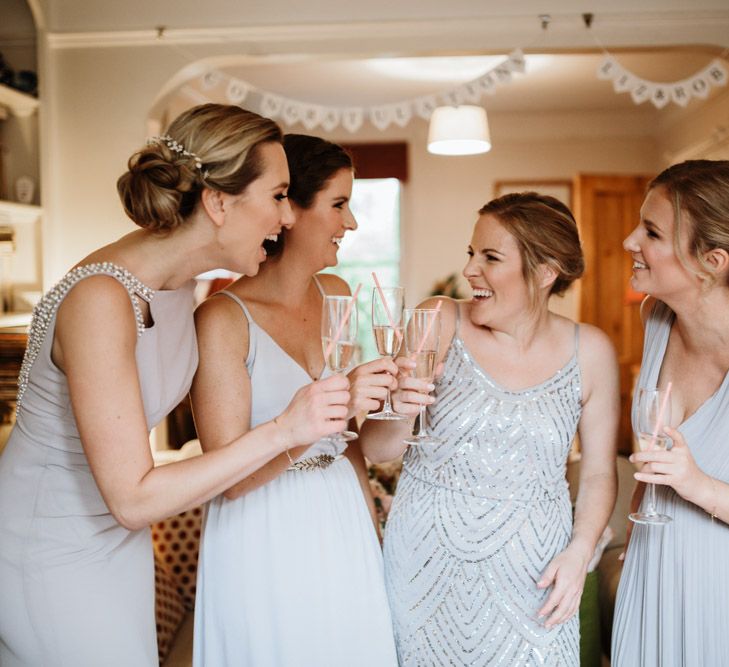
point(290, 111)
point(660, 94)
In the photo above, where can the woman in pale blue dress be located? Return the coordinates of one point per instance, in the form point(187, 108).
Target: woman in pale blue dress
point(111, 351)
point(260, 341)
point(673, 598)
point(484, 563)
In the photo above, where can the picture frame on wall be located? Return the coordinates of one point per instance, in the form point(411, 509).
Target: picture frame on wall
point(559, 188)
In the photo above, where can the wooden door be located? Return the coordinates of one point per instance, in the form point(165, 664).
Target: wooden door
point(607, 208)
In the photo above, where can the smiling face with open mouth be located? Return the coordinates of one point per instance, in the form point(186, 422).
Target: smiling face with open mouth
point(494, 272)
point(260, 212)
point(657, 269)
point(320, 229)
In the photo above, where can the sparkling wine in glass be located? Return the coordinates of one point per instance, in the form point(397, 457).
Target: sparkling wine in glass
point(339, 324)
point(654, 412)
point(422, 337)
point(387, 312)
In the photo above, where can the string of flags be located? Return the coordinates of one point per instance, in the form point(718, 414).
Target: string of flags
point(291, 111)
point(660, 94)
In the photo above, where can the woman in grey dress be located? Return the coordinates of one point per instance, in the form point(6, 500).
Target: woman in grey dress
point(484, 564)
point(111, 350)
point(673, 599)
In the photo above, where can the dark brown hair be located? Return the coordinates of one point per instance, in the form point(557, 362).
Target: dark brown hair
point(312, 162)
point(218, 150)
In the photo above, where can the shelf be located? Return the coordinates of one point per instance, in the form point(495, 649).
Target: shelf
point(15, 320)
point(20, 104)
point(13, 212)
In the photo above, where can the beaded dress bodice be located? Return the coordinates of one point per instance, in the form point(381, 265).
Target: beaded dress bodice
point(478, 517)
point(166, 352)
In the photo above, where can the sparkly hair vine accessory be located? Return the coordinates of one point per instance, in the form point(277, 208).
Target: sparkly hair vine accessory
point(178, 148)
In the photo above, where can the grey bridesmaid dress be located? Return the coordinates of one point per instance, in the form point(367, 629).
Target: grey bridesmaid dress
point(672, 605)
point(77, 588)
point(477, 518)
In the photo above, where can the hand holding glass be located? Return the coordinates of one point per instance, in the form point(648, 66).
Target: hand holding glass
point(654, 412)
point(422, 338)
point(387, 310)
point(338, 338)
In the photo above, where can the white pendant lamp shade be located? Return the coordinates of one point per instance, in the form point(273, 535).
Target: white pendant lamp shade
point(462, 130)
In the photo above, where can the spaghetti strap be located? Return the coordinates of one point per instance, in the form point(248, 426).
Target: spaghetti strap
point(239, 301)
point(318, 284)
point(577, 338)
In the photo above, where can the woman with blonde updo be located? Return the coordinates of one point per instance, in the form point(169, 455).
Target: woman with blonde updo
point(111, 351)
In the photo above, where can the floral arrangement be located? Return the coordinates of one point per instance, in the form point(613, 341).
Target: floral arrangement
point(383, 482)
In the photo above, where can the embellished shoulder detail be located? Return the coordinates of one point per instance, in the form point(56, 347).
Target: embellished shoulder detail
point(45, 310)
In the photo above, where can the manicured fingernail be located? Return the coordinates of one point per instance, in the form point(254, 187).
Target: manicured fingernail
point(431, 387)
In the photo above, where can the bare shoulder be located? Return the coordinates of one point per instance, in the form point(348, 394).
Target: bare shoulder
point(597, 357)
point(333, 285)
point(594, 342)
point(99, 300)
point(448, 307)
point(220, 318)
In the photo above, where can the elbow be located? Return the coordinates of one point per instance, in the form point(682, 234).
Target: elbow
point(129, 517)
point(232, 493)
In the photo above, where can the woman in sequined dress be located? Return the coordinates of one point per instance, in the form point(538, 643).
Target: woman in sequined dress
point(484, 562)
point(260, 340)
point(111, 351)
point(672, 606)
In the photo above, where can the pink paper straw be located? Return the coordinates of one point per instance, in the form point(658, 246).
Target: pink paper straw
point(345, 319)
point(428, 328)
point(397, 331)
point(661, 412)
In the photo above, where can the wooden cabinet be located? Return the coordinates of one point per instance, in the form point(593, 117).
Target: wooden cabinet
point(607, 209)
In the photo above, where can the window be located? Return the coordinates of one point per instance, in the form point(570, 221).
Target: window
point(375, 246)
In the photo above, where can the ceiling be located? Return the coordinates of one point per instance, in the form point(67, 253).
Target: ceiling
point(324, 52)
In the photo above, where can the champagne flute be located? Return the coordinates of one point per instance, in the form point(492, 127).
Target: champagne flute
point(338, 338)
point(653, 413)
point(422, 337)
point(387, 307)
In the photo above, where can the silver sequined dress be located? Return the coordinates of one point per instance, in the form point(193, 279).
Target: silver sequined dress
point(477, 519)
point(76, 587)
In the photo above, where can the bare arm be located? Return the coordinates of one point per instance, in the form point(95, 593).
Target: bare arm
point(95, 342)
point(598, 430)
point(221, 390)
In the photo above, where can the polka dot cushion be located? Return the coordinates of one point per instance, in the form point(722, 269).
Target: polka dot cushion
point(169, 609)
point(176, 543)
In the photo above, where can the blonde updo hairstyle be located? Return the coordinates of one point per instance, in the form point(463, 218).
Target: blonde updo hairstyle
point(219, 149)
point(545, 232)
point(699, 193)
